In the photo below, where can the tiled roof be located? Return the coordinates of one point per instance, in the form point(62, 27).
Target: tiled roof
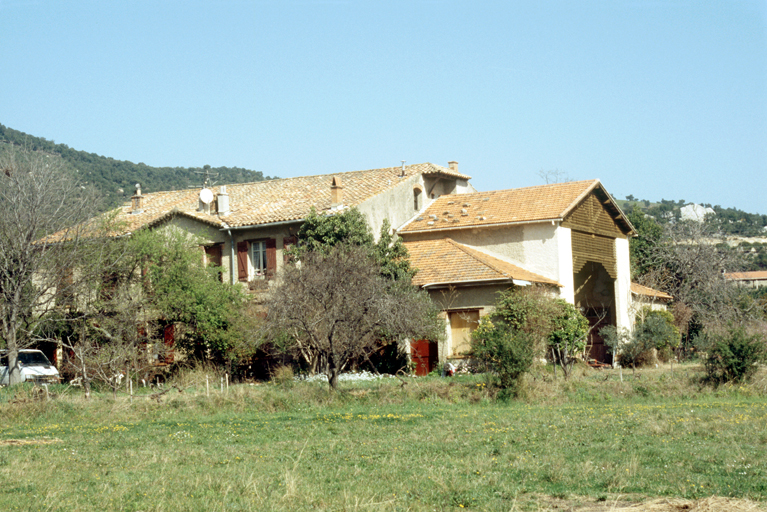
point(519, 205)
point(279, 200)
point(746, 276)
point(448, 262)
point(646, 291)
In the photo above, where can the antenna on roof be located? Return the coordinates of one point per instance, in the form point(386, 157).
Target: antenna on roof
point(206, 176)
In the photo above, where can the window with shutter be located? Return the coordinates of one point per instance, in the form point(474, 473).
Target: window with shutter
point(242, 261)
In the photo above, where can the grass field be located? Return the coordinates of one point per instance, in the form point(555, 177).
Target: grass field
point(434, 444)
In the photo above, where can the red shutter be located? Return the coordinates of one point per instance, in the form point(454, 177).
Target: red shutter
point(242, 260)
point(271, 257)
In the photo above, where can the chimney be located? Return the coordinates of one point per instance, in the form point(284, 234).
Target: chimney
point(137, 201)
point(336, 192)
point(222, 201)
point(453, 166)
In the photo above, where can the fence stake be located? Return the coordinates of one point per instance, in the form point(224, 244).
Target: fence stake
point(227, 383)
point(207, 386)
point(222, 385)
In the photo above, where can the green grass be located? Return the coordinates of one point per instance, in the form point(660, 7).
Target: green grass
point(434, 444)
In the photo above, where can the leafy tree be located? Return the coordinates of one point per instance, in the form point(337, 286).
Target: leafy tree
point(141, 285)
point(649, 234)
point(180, 289)
point(658, 327)
point(335, 307)
point(320, 233)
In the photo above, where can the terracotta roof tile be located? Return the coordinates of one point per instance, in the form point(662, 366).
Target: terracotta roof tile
point(746, 276)
point(646, 291)
point(446, 261)
point(520, 205)
point(271, 201)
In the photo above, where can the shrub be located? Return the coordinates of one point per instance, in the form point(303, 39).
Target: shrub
point(283, 375)
point(734, 356)
point(507, 352)
point(657, 329)
point(632, 348)
point(570, 328)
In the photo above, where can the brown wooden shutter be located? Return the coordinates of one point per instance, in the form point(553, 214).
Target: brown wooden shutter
point(242, 260)
point(271, 257)
point(287, 243)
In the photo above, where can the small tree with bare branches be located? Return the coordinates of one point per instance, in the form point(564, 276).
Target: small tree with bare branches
point(334, 307)
point(37, 198)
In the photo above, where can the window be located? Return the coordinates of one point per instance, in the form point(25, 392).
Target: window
point(416, 199)
point(258, 257)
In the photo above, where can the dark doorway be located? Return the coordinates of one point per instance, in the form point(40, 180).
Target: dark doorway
point(598, 318)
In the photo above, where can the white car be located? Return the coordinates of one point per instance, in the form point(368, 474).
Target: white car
point(34, 367)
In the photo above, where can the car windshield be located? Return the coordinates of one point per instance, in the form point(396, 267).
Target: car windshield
point(33, 359)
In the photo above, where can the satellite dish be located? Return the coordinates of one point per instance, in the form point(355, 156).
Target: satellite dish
point(206, 196)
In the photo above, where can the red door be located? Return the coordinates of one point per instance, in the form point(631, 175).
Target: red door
point(425, 356)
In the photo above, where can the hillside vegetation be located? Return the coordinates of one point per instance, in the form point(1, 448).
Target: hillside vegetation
point(116, 179)
point(730, 221)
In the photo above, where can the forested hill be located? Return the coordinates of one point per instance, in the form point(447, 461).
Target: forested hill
point(116, 179)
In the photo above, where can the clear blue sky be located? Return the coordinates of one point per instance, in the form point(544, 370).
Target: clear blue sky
point(658, 98)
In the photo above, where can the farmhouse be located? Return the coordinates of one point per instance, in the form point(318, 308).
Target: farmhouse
point(571, 238)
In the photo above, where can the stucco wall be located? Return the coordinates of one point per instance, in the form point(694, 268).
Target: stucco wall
point(623, 285)
point(208, 234)
point(481, 298)
point(542, 248)
point(397, 204)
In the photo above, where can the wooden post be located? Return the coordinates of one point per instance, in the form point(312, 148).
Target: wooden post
point(227, 383)
point(207, 386)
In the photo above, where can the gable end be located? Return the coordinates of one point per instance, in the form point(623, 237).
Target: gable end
point(593, 216)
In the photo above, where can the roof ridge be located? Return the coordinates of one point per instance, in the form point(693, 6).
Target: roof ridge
point(531, 187)
point(289, 178)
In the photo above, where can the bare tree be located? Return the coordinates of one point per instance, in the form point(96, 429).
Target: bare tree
point(689, 262)
point(553, 176)
point(37, 199)
point(335, 307)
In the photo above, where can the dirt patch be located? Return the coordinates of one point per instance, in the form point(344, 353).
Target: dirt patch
point(712, 504)
point(21, 442)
